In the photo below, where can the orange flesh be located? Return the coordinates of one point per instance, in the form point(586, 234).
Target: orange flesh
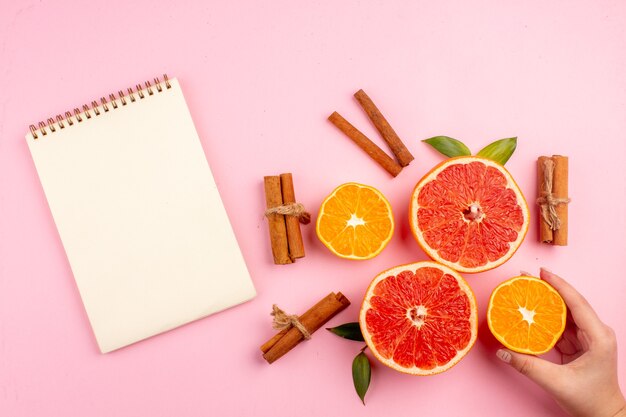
point(419, 319)
point(468, 215)
point(355, 221)
point(543, 308)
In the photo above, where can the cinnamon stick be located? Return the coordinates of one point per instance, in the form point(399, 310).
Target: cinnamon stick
point(277, 228)
point(560, 191)
point(312, 320)
point(545, 231)
point(396, 145)
point(364, 143)
point(294, 235)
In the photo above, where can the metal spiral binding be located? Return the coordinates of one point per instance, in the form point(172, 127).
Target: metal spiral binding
point(61, 121)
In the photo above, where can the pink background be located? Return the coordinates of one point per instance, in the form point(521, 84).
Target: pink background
point(260, 79)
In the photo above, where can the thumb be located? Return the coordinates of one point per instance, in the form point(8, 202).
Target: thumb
point(540, 371)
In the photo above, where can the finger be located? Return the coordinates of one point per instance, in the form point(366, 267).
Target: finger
point(583, 339)
point(569, 346)
point(583, 314)
point(542, 372)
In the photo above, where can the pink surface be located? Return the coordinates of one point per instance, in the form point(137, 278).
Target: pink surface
point(260, 79)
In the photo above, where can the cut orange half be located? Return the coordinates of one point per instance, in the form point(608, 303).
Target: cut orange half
point(526, 315)
point(420, 318)
point(355, 221)
point(469, 214)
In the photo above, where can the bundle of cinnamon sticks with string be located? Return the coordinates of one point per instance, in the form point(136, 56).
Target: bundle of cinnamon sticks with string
point(294, 329)
point(284, 216)
point(553, 198)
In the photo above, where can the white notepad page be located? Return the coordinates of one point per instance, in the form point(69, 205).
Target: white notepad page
point(141, 219)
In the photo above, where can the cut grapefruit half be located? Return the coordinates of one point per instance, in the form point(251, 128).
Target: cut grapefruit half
point(419, 318)
point(469, 214)
point(355, 221)
point(526, 315)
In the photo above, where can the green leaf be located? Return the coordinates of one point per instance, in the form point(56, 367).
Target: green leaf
point(361, 374)
point(499, 151)
point(448, 146)
point(351, 331)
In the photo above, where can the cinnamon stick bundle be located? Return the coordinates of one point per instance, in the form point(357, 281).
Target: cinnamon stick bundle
point(312, 320)
point(366, 144)
point(552, 187)
point(396, 145)
point(277, 227)
point(284, 217)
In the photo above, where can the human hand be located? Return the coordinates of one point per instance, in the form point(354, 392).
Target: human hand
point(585, 384)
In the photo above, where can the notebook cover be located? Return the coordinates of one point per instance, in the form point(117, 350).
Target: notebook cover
point(140, 217)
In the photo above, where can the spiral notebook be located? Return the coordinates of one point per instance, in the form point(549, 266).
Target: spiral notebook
point(139, 213)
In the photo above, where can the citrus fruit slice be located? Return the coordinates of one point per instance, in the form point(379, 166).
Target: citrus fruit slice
point(355, 221)
point(468, 214)
point(419, 318)
point(526, 315)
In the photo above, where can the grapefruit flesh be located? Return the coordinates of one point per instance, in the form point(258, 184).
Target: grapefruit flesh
point(469, 214)
point(419, 318)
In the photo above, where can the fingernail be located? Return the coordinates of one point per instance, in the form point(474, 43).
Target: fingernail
point(547, 270)
point(503, 355)
point(524, 273)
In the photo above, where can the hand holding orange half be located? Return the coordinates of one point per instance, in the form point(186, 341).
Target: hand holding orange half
point(586, 382)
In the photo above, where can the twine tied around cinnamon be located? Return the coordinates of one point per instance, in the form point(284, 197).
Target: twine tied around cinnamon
point(283, 321)
point(548, 201)
point(291, 209)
